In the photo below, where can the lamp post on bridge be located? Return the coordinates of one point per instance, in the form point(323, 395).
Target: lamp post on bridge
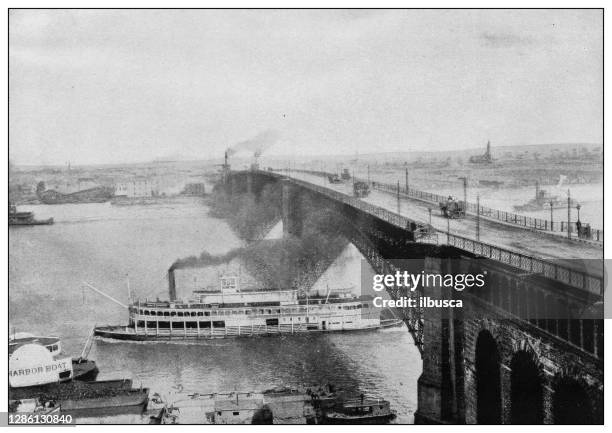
point(578, 223)
point(398, 199)
point(551, 203)
point(478, 217)
point(569, 210)
point(464, 178)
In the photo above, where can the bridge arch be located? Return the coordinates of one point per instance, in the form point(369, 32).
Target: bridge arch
point(488, 380)
point(527, 403)
point(571, 402)
point(412, 317)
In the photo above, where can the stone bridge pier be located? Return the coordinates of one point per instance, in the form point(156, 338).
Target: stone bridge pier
point(291, 209)
point(506, 357)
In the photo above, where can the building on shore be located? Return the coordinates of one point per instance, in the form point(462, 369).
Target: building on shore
point(137, 187)
point(195, 189)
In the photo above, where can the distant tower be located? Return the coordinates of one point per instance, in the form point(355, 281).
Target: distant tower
point(483, 159)
point(226, 167)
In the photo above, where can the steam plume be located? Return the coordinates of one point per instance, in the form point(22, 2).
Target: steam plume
point(258, 144)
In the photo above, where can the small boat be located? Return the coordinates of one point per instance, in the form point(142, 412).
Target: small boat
point(82, 368)
point(544, 200)
point(25, 218)
point(159, 407)
point(360, 411)
point(33, 406)
point(166, 415)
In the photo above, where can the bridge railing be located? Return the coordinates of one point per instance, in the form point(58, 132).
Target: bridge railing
point(576, 278)
point(534, 223)
point(496, 214)
point(382, 213)
point(572, 277)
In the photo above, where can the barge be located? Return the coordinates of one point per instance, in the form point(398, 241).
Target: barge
point(109, 397)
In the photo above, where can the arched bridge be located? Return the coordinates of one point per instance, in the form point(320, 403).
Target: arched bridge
point(525, 348)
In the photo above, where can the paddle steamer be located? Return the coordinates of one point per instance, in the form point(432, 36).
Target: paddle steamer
point(231, 312)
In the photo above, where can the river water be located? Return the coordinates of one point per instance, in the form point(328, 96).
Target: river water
point(107, 245)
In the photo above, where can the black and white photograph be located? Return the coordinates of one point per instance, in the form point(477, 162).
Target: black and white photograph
point(305, 216)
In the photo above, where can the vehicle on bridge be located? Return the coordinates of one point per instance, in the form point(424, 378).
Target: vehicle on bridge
point(345, 174)
point(361, 189)
point(334, 178)
point(426, 233)
point(452, 208)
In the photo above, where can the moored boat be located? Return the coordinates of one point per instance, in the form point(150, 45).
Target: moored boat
point(124, 401)
point(87, 398)
point(360, 411)
point(33, 406)
point(67, 390)
point(79, 368)
point(25, 218)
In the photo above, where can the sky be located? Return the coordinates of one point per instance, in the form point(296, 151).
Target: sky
point(121, 86)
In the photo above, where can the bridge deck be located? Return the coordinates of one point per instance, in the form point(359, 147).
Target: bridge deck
point(562, 251)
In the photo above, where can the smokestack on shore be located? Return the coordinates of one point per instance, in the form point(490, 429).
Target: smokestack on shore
point(171, 285)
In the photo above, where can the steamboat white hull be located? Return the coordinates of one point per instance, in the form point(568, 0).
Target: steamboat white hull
point(131, 334)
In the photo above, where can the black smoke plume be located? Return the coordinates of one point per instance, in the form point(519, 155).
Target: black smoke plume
point(258, 144)
point(290, 262)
